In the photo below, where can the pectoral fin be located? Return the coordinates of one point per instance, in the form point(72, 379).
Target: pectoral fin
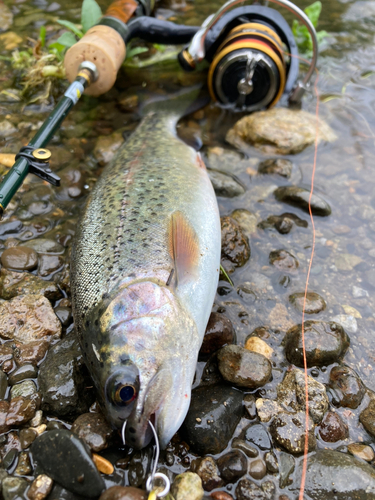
point(184, 248)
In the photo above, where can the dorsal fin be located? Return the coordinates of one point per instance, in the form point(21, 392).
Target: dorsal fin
point(183, 247)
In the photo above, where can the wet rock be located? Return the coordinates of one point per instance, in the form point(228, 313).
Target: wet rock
point(187, 486)
point(225, 185)
point(7, 128)
point(247, 490)
point(362, 451)
point(314, 302)
point(19, 259)
point(62, 380)
point(214, 413)
point(221, 495)
point(40, 488)
point(106, 147)
point(235, 249)
point(244, 368)
point(24, 465)
point(249, 405)
point(255, 344)
point(359, 293)
point(271, 462)
point(335, 475)
point(278, 131)
point(44, 246)
point(211, 374)
point(219, 332)
point(242, 445)
point(10, 459)
point(65, 459)
point(10, 227)
point(332, 428)
point(64, 314)
point(3, 384)
point(49, 264)
point(267, 409)
point(288, 429)
point(299, 197)
point(257, 469)
point(21, 410)
point(31, 353)
point(13, 284)
point(346, 321)
point(325, 343)
point(283, 223)
point(25, 389)
point(94, 430)
point(25, 371)
point(208, 471)
point(246, 220)
point(27, 436)
point(258, 435)
point(232, 466)
point(283, 260)
point(347, 261)
point(291, 393)
point(123, 493)
point(278, 166)
point(4, 407)
point(27, 318)
point(348, 388)
point(6, 17)
point(13, 488)
point(287, 465)
point(6, 357)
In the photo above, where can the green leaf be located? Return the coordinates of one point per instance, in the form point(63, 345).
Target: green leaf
point(72, 27)
point(42, 35)
point(90, 14)
point(135, 51)
point(313, 12)
point(67, 39)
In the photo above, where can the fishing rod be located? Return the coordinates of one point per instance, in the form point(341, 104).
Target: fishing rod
point(251, 51)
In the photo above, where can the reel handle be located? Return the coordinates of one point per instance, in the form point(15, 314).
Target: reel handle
point(104, 46)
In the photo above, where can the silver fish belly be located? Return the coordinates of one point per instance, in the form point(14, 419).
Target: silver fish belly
point(144, 271)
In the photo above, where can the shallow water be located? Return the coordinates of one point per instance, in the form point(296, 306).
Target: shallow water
point(344, 177)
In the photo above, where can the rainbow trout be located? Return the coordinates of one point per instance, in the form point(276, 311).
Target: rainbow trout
point(144, 272)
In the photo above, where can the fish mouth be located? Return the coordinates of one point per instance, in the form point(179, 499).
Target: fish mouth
point(138, 432)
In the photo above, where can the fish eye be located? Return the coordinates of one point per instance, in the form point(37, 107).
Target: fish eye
point(125, 394)
point(122, 387)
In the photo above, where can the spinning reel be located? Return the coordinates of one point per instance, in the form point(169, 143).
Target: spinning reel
point(252, 54)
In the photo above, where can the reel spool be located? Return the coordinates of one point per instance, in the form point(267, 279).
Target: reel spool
point(249, 69)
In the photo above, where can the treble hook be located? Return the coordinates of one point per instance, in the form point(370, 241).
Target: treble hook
point(154, 494)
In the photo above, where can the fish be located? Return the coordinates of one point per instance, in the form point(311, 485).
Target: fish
point(145, 265)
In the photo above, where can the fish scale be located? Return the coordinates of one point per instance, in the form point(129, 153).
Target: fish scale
point(144, 270)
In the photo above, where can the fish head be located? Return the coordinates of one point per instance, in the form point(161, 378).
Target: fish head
point(150, 358)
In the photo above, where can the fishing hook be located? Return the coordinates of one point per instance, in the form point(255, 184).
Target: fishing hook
point(154, 475)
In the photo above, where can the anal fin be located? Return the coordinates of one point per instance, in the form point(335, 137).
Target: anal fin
point(184, 248)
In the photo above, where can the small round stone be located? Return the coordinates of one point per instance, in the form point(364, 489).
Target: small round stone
point(362, 451)
point(94, 430)
point(123, 493)
point(40, 487)
point(242, 445)
point(257, 469)
point(283, 260)
point(232, 466)
point(219, 332)
point(187, 485)
point(332, 428)
point(348, 388)
point(288, 429)
point(278, 166)
point(271, 462)
point(314, 302)
point(255, 344)
point(235, 248)
point(25, 389)
point(208, 471)
point(19, 259)
point(22, 373)
point(27, 436)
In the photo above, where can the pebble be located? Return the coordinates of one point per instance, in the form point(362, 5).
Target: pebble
point(299, 197)
point(221, 495)
point(25, 389)
point(314, 302)
point(106, 147)
point(367, 418)
point(331, 474)
point(94, 430)
point(27, 318)
point(249, 405)
point(123, 493)
point(7, 128)
point(271, 462)
point(103, 465)
point(208, 471)
point(19, 259)
point(9, 458)
point(187, 486)
point(24, 465)
point(248, 490)
point(257, 469)
point(4, 407)
point(347, 322)
point(64, 314)
point(31, 353)
point(214, 413)
point(219, 332)
point(246, 220)
point(64, 458)
point(232, 466)
point(287, 465)
point(40, 488)
point(3, 384)
point(332, 428)
point(283, 223)
point(21, 410)
point(22, 373)
point(62, 380)
point(257, 435)
point(283, 260)
point(10, 227)
point(288, 429)
point(244, 368)
point(347, 261)
point(267, 409)
point(255, 344)
point(278, 131)
point(325, 343)
point(6, 357)
point(44, 246)
point(235, 248)
point(348, 388)
point(49, 264)
point(225, 185)
point(359, 293)
point(13, 284)
point(242, 445)
point(13, 488)
point(27, 437)
point(362, 451)
point(278, 166)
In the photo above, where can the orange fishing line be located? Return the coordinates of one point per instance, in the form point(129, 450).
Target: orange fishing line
point(306, 444)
